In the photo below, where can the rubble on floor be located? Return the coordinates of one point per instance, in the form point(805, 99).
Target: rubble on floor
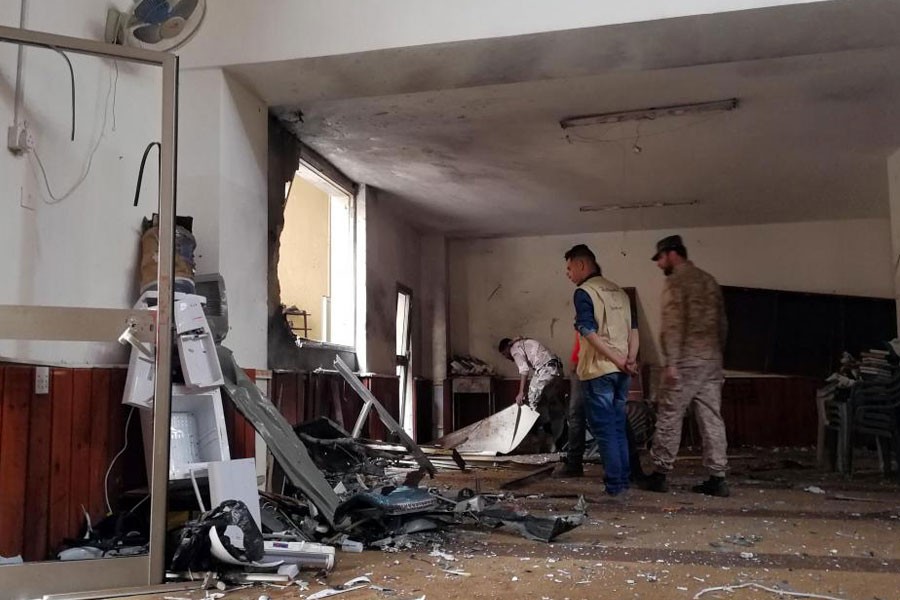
point(346, 493)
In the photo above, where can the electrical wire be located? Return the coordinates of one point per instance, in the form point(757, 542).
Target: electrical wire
point(115, 93)
point(72, 79)
point(54, 199)
point(137, 189)
point(780, 592)
point(113, 462)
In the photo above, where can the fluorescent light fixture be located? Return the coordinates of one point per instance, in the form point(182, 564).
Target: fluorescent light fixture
point(609, 207)
point(650, 114)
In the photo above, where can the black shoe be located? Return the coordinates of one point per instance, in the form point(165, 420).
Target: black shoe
point(655, 482)
point(714, 486)
point(570, 470)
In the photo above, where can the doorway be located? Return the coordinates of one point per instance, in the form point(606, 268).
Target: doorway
point(404, 356)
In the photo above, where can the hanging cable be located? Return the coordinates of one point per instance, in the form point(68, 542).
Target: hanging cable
point(115, 93)
point(72, 79)
point(54, 199)
point(137, 190)
point(113, 462)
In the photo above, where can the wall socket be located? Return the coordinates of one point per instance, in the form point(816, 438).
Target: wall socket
point(42, 380)
point(18, 139)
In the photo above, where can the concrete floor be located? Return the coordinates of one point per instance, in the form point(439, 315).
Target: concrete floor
point(842, 544)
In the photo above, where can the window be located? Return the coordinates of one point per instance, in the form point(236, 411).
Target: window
point(316, 260)
point(404, 355)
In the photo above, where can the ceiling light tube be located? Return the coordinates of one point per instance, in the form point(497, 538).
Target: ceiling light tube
point(607, 207)
point(677, 110)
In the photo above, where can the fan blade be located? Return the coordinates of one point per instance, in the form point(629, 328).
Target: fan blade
point(148, 34)
point(153, 11)
point(185, 9)
point(172, 28)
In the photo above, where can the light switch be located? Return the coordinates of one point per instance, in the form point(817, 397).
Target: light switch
point(42, 380)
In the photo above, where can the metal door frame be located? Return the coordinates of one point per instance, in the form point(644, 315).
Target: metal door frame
point(35, 579)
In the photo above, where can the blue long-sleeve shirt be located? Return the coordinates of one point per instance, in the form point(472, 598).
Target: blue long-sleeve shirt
point(585, 323)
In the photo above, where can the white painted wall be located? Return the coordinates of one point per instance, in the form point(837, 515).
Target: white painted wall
point(84, 250)
point(222, 165)
point(239, 32)
point(393, 249)
point(517, 286)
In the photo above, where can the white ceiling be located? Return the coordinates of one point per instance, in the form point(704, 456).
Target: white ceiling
point(465, 137)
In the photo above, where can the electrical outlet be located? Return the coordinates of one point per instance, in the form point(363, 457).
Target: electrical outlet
point(17, 139)
point(42, 380)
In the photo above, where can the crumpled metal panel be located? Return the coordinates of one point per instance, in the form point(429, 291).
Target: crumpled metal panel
point(497, 434)
point(284, 444)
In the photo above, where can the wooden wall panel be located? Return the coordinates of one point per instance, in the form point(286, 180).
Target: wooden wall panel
point(304, 407)
point(770, 411)
point(249, 437)
point(13, 458)
point(286, 395)
point(38, 483)
point(387, 390)
point(61, 390)
point(79, 475)
point(2, 377)
point(132, 461)
point(102, 405)
point(307, 396)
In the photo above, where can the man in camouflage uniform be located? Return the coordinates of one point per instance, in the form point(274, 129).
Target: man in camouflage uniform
point(692, 340)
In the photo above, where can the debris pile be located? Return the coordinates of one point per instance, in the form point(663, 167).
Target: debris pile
point(344, 492)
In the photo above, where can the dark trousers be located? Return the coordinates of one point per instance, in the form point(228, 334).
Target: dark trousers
point(604, 400)
point(576, 421)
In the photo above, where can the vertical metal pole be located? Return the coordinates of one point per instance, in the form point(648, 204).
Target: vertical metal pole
point(159, 480)
point(20, 61)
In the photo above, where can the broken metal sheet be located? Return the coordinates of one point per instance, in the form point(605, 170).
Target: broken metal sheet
point(390, 502)
point(284, 444)
point(531, 477)
point(354, 584)
point(125, 592)
point(493, 435)
point(372, 402)
point(543, 529)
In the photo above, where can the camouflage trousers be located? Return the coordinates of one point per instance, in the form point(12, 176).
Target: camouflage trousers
point(546, 395)
point(543, 377)
point(699, 386)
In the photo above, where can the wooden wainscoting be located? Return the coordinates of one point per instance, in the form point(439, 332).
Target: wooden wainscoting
point(302, 397)
point(55, 449)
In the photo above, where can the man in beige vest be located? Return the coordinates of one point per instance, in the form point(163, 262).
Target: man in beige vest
point(692, 339)
point(606, 359)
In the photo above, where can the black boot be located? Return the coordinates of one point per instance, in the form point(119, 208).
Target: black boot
point(714, 486)
point(655, 482)
point(570, 469)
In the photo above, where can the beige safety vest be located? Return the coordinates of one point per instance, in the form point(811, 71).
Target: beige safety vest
point(612, 310)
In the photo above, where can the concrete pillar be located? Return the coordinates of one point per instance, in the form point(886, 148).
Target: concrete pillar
point(893, 168)
point(223, 132)
point(435, 307)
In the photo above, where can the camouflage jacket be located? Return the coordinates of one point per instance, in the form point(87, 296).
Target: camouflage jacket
point(693, 316)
